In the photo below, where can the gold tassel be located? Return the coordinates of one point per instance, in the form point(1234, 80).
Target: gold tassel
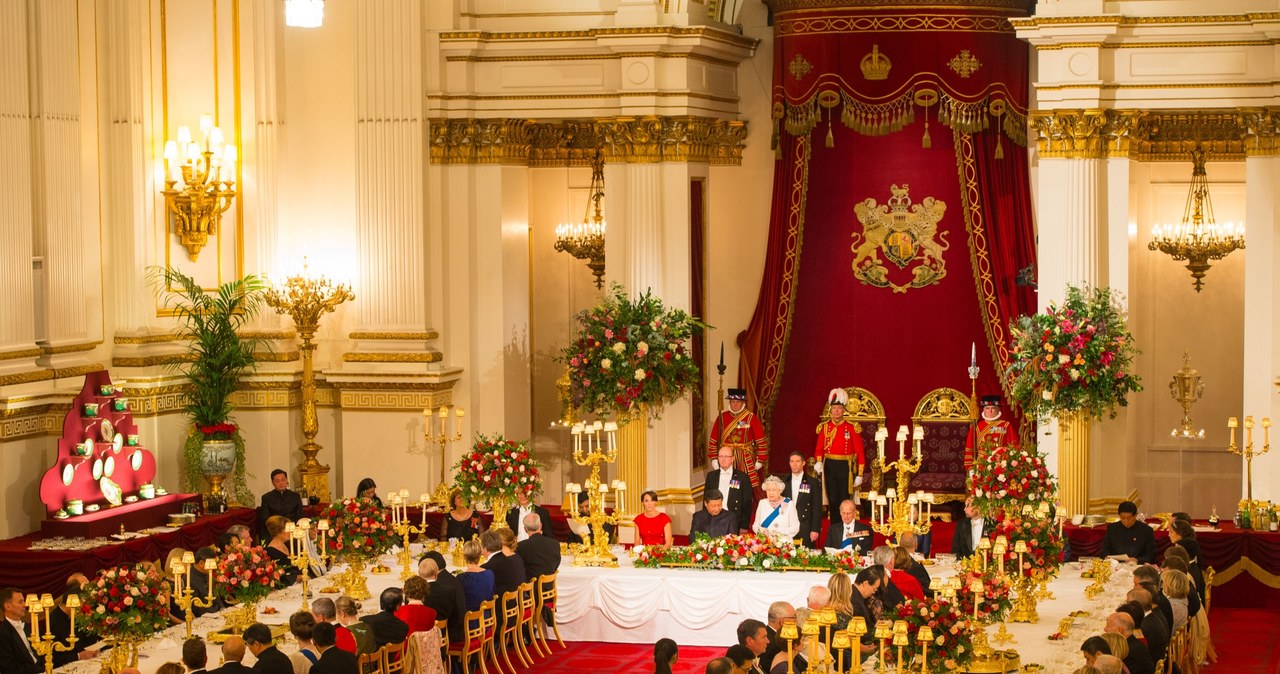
point(999, 147)
point(831, 138)
point(926, 142)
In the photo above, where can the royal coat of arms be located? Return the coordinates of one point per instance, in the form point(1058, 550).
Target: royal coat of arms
point(906, 234)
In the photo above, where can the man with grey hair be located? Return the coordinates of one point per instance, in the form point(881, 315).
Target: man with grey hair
point(540, 552)
point(779, 612)
point(1108, 664)
point(890, 596)
point(446, 595)
point(324, 611)
point(819, 597)
point(1148, 578)
point(1139, 659)
point(1154, 628)
point(908, 542)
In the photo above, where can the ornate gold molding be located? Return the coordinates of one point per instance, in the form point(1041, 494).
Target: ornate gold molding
point(70, 348)
point(678, 496)
point(393, 385)
point(145, 339)
point(149, 361)
point(1168, 135)
point(21, 353)
point(30, 422)
point(407, 336)
point(380, 357)
point(77, 371)
point(1183, 44)
point(393, 401)
point(1113, 20)
point(707, 32)
point(648, 139)
point(779, 6)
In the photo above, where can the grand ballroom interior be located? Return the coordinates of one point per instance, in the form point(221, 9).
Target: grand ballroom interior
point(433, 157)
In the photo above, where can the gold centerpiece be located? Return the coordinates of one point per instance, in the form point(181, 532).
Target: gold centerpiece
point(403, 528)
point(899, 511)
point(438, 433)
point(183, 595)
point(599, 450)
point(1186, 388)
point(306, 298)
point(1024, 607)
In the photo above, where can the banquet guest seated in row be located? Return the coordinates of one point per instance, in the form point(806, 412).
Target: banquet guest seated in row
point(1130, 538)
point(888, 596)
point(838, 454)
point(914, 567)
point(539, 552)
point(849, 532)
point(775, 515)
point(805, 491)
point(386, 627)
point(257, 638)
point(462, 522)
point(349, 617)
point(16, 654)
point(580, 531)
point(1139, 660)
point(1176, 586)
point(1117, 643)
point(1109, 664)
point(1148, 578)
point(665, 655)
point(719, 666)
point(734, 485)
point(200, 581)
point(1183, 535)
point(652, 526)
point(1154, 628)
point(368, 489)
point(1175, 560)
point(414, 612)
point(323, 610)
point(713, 520)
point(526, 506)
point(744, 661)
point(970, 529)
point(195, 654)
point(507, 568)
point(841, 601)
point(753, 636)
point(865, 585)
point(233, 650)
point(332, 660)
point(302, 627)
point(779, 612)
point(446, 596)
point(279, 501)
point(477, 581)
point(818, 598)
point(236, 534)
point(908, 584)
point(278, 548)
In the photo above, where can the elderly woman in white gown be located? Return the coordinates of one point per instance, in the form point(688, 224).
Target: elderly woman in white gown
point(776, 516)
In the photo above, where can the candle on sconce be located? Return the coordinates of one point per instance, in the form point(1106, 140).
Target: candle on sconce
point(973, 354)
point(1232, 423)
point(722, 355)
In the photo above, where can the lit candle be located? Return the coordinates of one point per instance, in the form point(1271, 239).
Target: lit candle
point(210, 565)
point(73, 603)
point(1248, 431)
point(33, 607)
point(46, 600)
point(973, 354)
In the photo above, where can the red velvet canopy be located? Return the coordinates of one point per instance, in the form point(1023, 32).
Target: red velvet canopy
point(918, 110)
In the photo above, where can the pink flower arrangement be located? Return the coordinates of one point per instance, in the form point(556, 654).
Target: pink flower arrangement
point(745, 552)
point(952, 645)
point(129, 601)
point(1009, 477)
point(497, 467)
point(359, 528)
point(246, 573)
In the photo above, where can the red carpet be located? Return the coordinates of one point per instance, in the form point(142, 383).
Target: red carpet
point(589, 656)
point(1247, 640)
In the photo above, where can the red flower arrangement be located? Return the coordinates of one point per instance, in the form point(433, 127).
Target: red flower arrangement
point(745, 552)
point(1044, 546)
point(126, 601)
point(952, 645)
point(996, 595)
point(1009, 477)
point(222, 431)
point(246, 574)
point(497, 468)
point(359, 528)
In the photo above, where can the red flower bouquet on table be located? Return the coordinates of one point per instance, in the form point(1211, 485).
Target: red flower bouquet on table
point(126, 603)
point(1044, 546)
point(745, 552)
point(1009, 477)
point(359, 529)
point(246, 574)
point(497, 468)
point(222, 431)
point(952, 645)
point(996, 595)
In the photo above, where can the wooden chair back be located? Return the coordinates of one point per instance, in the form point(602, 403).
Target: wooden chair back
point(547, 596)
point(1208, 587)
point(370, 663)
point(393, 658)
point(472, 641)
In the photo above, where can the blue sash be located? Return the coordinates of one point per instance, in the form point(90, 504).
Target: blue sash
point(774, 515)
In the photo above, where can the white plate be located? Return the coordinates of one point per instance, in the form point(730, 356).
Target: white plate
point(135, 460)
point(68, 472)
point(110, 466)
point(117, 443)
point(88, 445)
point(106, 430)
point(97, 469)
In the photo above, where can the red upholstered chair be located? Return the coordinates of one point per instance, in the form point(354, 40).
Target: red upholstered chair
point(531, 620)
point(546, 586)
point(946, 415)
point(509, 638)
point(472, 641)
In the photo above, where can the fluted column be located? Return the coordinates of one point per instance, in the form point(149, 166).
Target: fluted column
point(261, 162)
point(18, 349)
point(1261, 334)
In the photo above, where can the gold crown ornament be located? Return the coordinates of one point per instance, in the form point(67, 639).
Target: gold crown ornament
point(875, 66)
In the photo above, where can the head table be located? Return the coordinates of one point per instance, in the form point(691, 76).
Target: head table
point(693, 606)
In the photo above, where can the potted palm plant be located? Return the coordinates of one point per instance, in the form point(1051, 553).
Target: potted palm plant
point(216, 359)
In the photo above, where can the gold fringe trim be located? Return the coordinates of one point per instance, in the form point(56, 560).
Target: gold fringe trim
point(882, 119)
point(1246, 565)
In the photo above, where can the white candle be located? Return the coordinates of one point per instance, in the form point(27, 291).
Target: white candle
point(973, 354)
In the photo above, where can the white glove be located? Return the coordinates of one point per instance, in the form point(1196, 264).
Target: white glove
point(857, 481)
point(758, 464)
point(817, 467)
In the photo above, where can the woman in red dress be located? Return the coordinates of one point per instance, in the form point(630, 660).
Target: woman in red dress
point(906, 583)
point(654, 527)
point(418, 617)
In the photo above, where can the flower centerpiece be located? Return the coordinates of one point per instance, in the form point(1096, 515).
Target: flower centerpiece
point(630, 356)
point(246, 574)
point(952, 645)
point(216, 358)
point(997, 593)
point(126, 604)
point(745, 552)
point(1008, 477)
point(359, 529)
point(496, 471)
point(1074, 358)
point(1044, 545)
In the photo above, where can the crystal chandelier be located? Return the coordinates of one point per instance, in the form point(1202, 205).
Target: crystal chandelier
point(586, 241)
point(1198, 238)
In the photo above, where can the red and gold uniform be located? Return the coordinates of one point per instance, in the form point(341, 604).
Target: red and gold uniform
point(990, 431)
point(745, 434)
point(840, 454)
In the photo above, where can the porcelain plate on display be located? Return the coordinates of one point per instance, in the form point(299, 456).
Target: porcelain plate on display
point(131, 499)
point(109, 467)
point(135, 460)
point(107, 431)
point(117, 443)
point(88, 446)
point(68, 472)
point(97, 469)
point(92, 508)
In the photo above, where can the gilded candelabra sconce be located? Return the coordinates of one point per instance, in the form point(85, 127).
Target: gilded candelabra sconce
point(1247, 451)
point(1198, 238)
point(1186, 388)
point(197, 192)
point(586, 241)
point(599, 450)
point(437, 432)
point(183, 594)
point(45, 645)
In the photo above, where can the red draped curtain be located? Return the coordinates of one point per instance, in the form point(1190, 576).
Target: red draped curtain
point(913, 104)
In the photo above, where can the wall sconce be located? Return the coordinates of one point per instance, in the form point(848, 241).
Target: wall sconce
point(304, 13)
point(586, 241)
point(195, 192)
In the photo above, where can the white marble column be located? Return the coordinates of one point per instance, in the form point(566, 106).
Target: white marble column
point(1261, 331)
point(18, 349)
point(262, 160)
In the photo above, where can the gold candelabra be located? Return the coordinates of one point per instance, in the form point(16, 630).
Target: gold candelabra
point(586, 241)
point(306, 298)
point(299, 555)
point(1247, 450)
point(599, 450)
point(899, 511)
point(45, 645)
point(1024, 607)
point(403, 528)
point(196, 191)
point(1198, 238)
point(183, 595)
point(1186, 388)
point(437, 432)
point(1100, 572)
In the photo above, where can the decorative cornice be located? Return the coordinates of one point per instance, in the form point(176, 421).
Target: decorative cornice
point(393, 385)
point(70, 348)
point(392, 357)
point(150, 361)
point(705, 32)
point(406, 336)
point(1229, 134)
point(145, 339)
point(648, 139)
point(780, 6)
point(269, 334)
point(77, 371)
point(25, 377)
point(277, 356)
point(1115, 20)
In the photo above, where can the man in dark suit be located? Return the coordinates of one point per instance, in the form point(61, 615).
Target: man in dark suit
point(779, 612)
point(849, 532)
point(908, 541)
point(736, 487)
point(195, 655)
point(506, 575)
point(1148, 578)
point(446, 596)
point(333, 660)
point(16, 654)
point(232, 653)
point(515, 517)
point(713, 520)
point(805, 491)
point(1130, 538)
point(579, 530)
point(279, 501)
point(540, 552)
point(257, 638)
point(1139, 659)
point(969, 530)
point(386, 627)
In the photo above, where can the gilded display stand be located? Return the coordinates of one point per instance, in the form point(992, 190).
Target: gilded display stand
point(1073, 462)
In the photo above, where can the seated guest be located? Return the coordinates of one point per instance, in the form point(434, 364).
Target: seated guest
point(332, 660)
point(713, 520)
point(539, 552)
point(849, 533)
point(841, 587)
point(779, 612)
point(1153, 625)
point(508, 572)
point(744, 661)
point(200, 581)
point(915, 568)
point(580, 531)
point(16, 654)
point(969, 530)
point(477, 583)
point(171, 668)
point(1129, 538)
point(278, 548)
point(652, 526)
point(1179, 564)
point(719, 666)
point(279, 501)
point(233, 650)
point(775, 515)
point(302, 626)
point(665, 655)
point(734, 485)
point(526, 506)
point(1176, 586)
point(349, 617)
point(1148, 578)
point(446, 595)
point(805, 491)
point(257, 638)
point(461, 522)
point(906, 583)
point(60, 626)
point(1118, 646)
point(368, 489)
point(195, 655)
point(1139, 660)
point(753, 639)
point(1109, 664)
point(324, 610)
point(865, 585)
point(818, 598)
point(890, 596)
point(414, 613)
point(386, 627)
point(1182, 534)
point(1093, 647)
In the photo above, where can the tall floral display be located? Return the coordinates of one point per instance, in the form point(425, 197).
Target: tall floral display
point(496, 471)
point(360, 532)
point(1009, 477)
point(126, 604)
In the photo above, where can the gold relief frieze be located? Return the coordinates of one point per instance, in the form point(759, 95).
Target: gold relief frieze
point(21, 353)
point(1229, 134)
point(77, 371)
point(70, 348)
point(145, 339)
point(380, 357)
point(415, 401)
point(25, 377)
point(706, 32)
point(1070, 133)
point(393, 385)
point(406, 336)
point(480, 141)
point(1114, 20)
point(276, 356)
point(269, 334)
point(32, 422)
point(149, 361)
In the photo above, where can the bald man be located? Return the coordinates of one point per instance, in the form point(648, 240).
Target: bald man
point(1139, 659)
point(233, 650)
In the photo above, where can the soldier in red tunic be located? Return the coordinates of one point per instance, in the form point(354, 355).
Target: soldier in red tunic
point(838, 456)
point(991, 431)
point(740, 428)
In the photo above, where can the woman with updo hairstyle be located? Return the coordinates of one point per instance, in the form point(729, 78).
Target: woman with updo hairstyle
point(477, 583)
point(349, 618)
point(461, 522)
point(653, 526)
point(278, 548)
point(1184, 535)
point(300, 626)
point(368, 489)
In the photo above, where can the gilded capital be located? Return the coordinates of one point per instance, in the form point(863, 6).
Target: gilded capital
point(1070, 133)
